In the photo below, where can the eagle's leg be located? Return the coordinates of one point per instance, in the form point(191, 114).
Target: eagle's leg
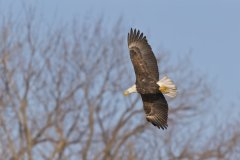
point(167, 87)
point(130, 90)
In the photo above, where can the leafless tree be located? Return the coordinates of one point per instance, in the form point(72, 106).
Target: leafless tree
point(61, 98)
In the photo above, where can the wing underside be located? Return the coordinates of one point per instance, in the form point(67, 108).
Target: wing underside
point(142, 57)
point(156, 109)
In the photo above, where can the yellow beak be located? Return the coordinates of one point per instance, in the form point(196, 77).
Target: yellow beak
point(126, 93)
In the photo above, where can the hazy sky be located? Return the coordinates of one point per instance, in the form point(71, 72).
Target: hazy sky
point(210, 29)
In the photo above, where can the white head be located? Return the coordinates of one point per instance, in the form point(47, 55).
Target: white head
point(130, 90)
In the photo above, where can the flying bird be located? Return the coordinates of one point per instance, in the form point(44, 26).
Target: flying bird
point(147, 82)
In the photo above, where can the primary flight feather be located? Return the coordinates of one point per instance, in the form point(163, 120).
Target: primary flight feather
point(147, 80)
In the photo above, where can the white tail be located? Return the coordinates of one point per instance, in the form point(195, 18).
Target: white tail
point(167, 87)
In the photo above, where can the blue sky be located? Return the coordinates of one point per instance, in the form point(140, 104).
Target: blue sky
point(210, 29)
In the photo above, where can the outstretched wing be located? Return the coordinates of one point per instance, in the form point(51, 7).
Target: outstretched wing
point(142, 57)
point(156, 109)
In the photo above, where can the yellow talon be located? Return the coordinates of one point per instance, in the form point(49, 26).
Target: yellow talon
point(164, 89)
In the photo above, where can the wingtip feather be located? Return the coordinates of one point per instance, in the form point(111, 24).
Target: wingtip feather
point(135, 35)
point(159, 123)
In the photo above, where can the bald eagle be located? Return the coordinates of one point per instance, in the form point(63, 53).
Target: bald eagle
point(147, 82)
